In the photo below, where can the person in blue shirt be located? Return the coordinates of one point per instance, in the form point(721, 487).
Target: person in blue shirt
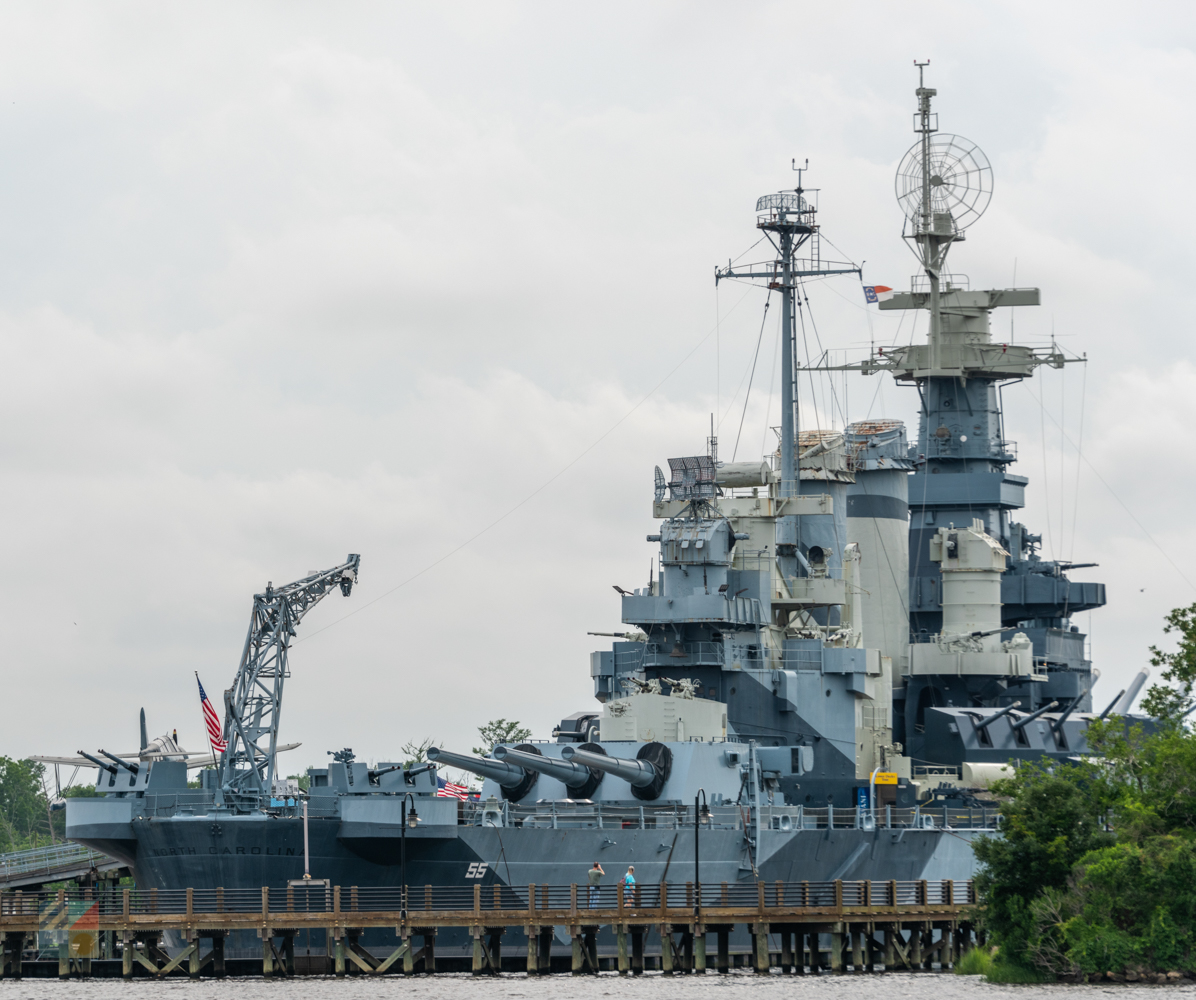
point(629, 878)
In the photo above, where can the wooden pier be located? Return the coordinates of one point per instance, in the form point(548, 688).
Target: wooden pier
point(793, 926)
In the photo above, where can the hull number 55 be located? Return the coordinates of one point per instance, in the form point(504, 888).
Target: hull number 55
point(477, 869)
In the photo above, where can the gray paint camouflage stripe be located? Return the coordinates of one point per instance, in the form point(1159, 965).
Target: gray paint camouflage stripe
point(863, 505)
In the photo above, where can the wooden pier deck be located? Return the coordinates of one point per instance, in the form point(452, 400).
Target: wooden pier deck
point(865, 925)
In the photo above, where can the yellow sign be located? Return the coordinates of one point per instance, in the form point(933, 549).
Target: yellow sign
point(886, 778)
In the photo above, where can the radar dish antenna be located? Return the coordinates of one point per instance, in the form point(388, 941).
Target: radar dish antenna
point(958, 178)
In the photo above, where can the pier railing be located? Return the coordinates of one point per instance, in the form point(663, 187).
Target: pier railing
point(275, 904)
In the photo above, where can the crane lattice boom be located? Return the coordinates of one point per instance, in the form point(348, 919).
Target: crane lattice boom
point(253, 704)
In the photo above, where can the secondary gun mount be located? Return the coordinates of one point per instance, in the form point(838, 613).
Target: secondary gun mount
point(646, 774)
point(514, 781)
point(253, 705)
point(581, 781)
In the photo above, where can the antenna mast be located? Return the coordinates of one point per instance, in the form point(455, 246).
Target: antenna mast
point(787, 219)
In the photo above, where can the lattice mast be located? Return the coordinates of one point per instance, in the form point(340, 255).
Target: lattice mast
point(253, 705)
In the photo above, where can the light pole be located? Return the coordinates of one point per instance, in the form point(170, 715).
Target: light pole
point(405, 819)
point(700, 817)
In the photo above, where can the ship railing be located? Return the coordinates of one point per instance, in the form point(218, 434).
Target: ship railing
point(889, 817)
point(662, 654)
point(320, 898)
point(560, 815)
point(580, 814)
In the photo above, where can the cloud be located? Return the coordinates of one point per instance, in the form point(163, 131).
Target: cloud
point(281, 284)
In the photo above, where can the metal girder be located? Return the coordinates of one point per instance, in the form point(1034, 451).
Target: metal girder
point(253, 704)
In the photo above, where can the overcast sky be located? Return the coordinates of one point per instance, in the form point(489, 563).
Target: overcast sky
point(280, 282)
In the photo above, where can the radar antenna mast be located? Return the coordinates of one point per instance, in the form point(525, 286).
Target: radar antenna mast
point(787, 219)
point(253, 704)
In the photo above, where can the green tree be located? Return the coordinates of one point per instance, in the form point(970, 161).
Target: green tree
point(500, 731)
point(24, 809)
point(1048, 822)
point(416, 751)
point(1095, 868)
point(1179, 668)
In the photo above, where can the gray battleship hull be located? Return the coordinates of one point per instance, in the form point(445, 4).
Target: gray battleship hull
point(251, 852)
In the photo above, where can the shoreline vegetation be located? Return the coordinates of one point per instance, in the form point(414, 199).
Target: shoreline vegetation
point(1093, 876)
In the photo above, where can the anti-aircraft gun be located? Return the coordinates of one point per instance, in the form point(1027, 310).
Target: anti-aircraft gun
point(253, 705)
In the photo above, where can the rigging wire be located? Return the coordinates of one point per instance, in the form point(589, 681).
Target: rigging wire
point(748, 396)
point(1079, 454)
point(1088, 462)
point(1046, 486)
point(534, 493)
point(772, 377)
point(1063, 474)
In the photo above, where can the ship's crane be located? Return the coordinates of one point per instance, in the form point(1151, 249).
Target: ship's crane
point(253, 705)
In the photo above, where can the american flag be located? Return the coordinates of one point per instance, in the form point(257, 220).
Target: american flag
point(211, 720)
point(448, 790)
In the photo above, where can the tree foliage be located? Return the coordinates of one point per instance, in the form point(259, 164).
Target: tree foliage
point(24, 809)
point(500, 731)
point(416, 751)
point(1179, 667)
point(1095, 868)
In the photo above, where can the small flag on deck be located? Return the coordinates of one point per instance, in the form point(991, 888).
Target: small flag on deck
point(877, 293)
point(448, 790)
point(211, 720)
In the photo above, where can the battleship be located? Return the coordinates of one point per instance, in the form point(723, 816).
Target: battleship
point(841, 646)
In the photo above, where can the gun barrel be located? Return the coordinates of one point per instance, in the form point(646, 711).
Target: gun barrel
point(117, 760)
point(996, 715)
point(640, 773)
point(98, 763)
point(1113, 703)
point(1058, 726)
point(1021, 723)
point(507, 775)
point(573, 775)
point(1125, 702)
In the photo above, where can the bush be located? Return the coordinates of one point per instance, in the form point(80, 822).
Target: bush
point(976, 962)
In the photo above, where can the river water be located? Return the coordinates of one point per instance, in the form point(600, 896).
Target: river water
point(739, 985)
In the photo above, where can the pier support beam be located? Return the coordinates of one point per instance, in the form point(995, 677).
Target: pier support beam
point(723, 961)
point(666, 949)
point(64, 955)
point(11, 948)
point(915, 948)
point(700, 950)
point(763, 958)
point(544, 951)
point(218, 967)
point(837, 946)
point(533, 958)
point(429, 950)
point(637, 952)
point(621, 942)
point(338, 955)
point(857, 950)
